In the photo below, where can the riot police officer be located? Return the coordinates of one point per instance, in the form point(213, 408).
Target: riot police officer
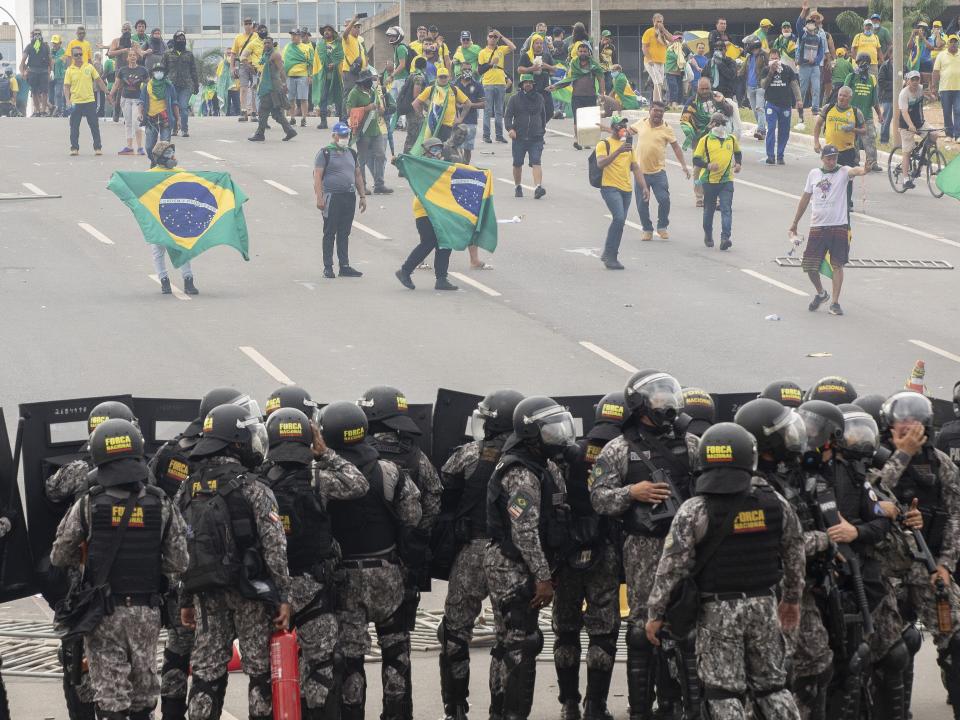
point(832, 389)
point(785, 392)
point(293, 396)
point(302, 491)
point(740, 539)
point(698, 413)
point(948, 439)
point(918, 471)
point(134, 537)
point(872, 405)
point(527, 518)
point(465, 476)
point(238, 575)
point(370, 579)
point(589, 573)
point(641, 478)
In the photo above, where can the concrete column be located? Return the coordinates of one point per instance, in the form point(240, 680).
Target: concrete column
point(112, 19)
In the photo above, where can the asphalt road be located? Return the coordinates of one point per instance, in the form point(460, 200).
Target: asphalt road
point(81, 315)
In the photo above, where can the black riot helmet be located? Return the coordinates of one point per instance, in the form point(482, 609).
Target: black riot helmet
point(343, 425)
point(699, 412)
point(387, 406)
point(907, 406)
point(540, 420)
point(834, 389)
point(234, 424)
point(215, 397)
point(728, 458)
point(608, 418)
point(115, 439)
point(872, 404)
point(292, 396)
point(109, 410)
point(654, 395)
point(861, 436)
point(823, 422)
point(778, 429)
point(494, 414)
point(784, 392)
point(290, 436)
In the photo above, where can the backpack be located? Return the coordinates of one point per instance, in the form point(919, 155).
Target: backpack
point(809, 47)
point(405, 99)
point(6, 94)
point(595, 172)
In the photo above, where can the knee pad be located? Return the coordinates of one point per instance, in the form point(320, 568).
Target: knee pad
point(497, 651)
point(637, 638)
point(213, 689)
point(912, 639)
point(895, 660)
point(529, 646)
point(314, 671)
point(174, 661)
point(261, 683)
point(954, 647)
point(392, 656)
point(394, 624)
point(567, 638)
point(460, 649)
point(518, 614)
point(606, 643)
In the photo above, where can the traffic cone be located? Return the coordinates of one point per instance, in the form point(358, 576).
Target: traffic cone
point(915, 381)
point(234, 664)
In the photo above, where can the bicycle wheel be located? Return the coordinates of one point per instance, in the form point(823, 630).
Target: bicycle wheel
point(935, 163)
point(895, 169)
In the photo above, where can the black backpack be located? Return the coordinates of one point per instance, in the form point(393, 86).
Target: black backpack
point(595, 172)
point(6, 95)
point(405, 98)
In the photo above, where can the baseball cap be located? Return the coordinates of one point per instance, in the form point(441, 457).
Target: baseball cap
point(295, 31)
point(937, 23)
point(55, 38)
point(556, 31)
point(341, 128)
point(829, 150)
point(606, 33)
point(526, 77)
point(949, 37)
point(875, 16)
point(868, 21)
point(786, 24)
point(766, 23)
point(617, 120)
point(911, 75)
point(841, 52)
point(465, 35)
point(443, 72)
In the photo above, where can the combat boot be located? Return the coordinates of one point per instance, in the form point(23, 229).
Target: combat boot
point(570, 710)
point(188, 287)
point(598, 687)
point(165, 286)
point(173, 708)
point(111, 714)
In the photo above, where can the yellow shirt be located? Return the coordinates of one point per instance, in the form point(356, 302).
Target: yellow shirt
point(352, 49)
point(83, 45)
point(416, 47)
point(80, 80)
point(300, 69)
point(154, 106)
point(418, 209)
point(836, 119)
point(493, 57)
point(252, 52)
point(650, 144)
point(656, 51)
point(617, 174)
point(14, 85)
point(721, 152)
point(450, 112)
point(869, 44)
point(948, 65)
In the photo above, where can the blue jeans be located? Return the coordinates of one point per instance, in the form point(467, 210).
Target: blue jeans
point(674, 88)
point(756, 96)
point(810, 80)
point(183, 100)
point(494, 95)
point(712, 192)
point(618, 202)
point(950, 100)
point(660, 189)
point(778, 129)
point(887, 109)
point(153, 132)
point(59, 102)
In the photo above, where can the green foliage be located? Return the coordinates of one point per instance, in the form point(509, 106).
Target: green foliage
point(208, 64)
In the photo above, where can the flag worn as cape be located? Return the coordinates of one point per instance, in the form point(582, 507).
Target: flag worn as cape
point(624, 92)
point(224, 81)
point(293, 55)
point(948, 179)
point(458, 200)
point(185, 212)
point(323, 77)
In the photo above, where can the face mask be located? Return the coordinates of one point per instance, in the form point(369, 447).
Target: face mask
point(342, 141)
point(262, 35)
point(158, 75)
point(719, 133)
point(868, 32)
point(717, 55)
point(615, 73)
point(179, 44)
point(864, 67)
point(811, 28)
point(786, 33)
point(125, 34)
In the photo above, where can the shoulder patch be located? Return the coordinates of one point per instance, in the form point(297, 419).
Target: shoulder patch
point(519, 504)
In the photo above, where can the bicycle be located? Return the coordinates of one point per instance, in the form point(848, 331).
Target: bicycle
point(924, 156)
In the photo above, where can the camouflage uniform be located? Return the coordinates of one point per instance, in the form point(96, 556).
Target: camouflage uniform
point(68, 481)
point(427, 479)
point(739, 642)
point(368, 594)
point(122, 649)
point(223, 615)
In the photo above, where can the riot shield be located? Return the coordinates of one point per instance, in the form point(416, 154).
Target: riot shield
point(16, 564)
point(162, 419)
point(728, 404)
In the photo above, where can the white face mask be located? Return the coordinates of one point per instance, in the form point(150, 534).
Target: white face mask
point(719, 132)
point(341, 141)
point(158, 76)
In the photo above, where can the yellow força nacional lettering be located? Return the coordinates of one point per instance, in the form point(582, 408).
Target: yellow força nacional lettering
point(612, 410)
point(136, 516)
point(207, 423)
point(95, 421)
point(790, 394)
point(273, 404)
point(290, 429)
point(750, 521)
point(719, 453)
point(118, 443)
point(178, 470)
point(401, 403)
point(354, 435)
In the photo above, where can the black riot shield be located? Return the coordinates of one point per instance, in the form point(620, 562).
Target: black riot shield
point(728, 404)
point(16, 566)
point(162, 419)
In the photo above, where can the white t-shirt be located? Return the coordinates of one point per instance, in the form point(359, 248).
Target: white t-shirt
point(828, 196)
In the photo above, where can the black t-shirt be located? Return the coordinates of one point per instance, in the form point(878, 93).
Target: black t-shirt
point(779, 92)
point(133, 79)
point(475, 95)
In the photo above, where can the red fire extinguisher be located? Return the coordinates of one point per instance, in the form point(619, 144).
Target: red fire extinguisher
point(285, 674)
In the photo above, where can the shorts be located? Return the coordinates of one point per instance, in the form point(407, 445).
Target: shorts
point(926, 66)
point(908, 139)
point(849, 157)
point(248, 75)
point(533, 148)
point(39, 81)
point(820, 240)
point(471, 140)
point(298, 88)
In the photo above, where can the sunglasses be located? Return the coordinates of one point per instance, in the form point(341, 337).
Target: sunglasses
point(248, 23)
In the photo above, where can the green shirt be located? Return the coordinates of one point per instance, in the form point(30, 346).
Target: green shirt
point(465, 55)
point(359, 98)
point(59, 67)
point(841, 69)
point(671, 65)
point(864, 93)
point(885, 39)
point(400, 54)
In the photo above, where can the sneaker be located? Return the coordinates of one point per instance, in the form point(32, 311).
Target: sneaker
point(611, 263)
point(382, 190)
point(126, 151)
point(518, 191)
point(188, 287)
point(184, 134)
point(663, 233)
point(303, 122)
point(835, 309)
point(74, 152)
point(770, 161)
point(487, 140)
point(405, 279)
point(140, 151)
point(256, 137)
point(502, 140)
point(800, 126)
point(328, 272)
point(165, 288)
point(444, 284)
point(708, 241)
point(781, 161)
point(347, 271)
point(539, 192)
point(647, 235)
point(98, 151)
point(818, 300)
point(725, 244)
point(291, 134)
point(907, 184)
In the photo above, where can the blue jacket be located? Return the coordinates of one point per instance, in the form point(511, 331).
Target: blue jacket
point(801, 25)
point(171, 97)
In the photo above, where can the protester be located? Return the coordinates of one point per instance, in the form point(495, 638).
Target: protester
point(297, 65)
point(78, 88)
point(911, 121)
point(473, 90)
point(585, 78)
point(756, 71)
point(885, 97)
point(525, 120)
point(623, 92)
point(442, 102)
point(811, 51)
point(886, 40)
point(491, 63)
point(247, 48)
point(538, 61)
point(764, 33)
point(354, 55)
point(866, 100)
point(159, 108)
point(155, 49)
point(35, 66)
point(698, 61)
point(127, 92)
point(336, 182)
point(651, 137)
point(785, 42)
point(272, 93)
point(918, 51)
point(721, 71)
point(868, 43)
point(59, 61)
point(829, 224)
point(781, 93)
point(402, 57)
point(655, 41)
point(436, 39)
point(181, 68)
point(8, 93)
point(718, 158)
point(23, 94)
point(842, 67)
point(616, 162)
point(695, 120)
point(539, 29)
point(674, 69)
point(140, 39)
point(946, 84)
point(365, 107)
point(577, 38)
point(81, 42)
point(329, 81)
point(466, 54)
point(607, 55)
point(100, 95)
point(841, 123)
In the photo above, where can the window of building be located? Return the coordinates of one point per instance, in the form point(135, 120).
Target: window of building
point(326, 14)
point(56, 11)
point(172, 17)
point(74, 12)
point(191, 18)
point(210, 15)
point(91, 13)
point(151, 13)
point(41, 12)
point(230, 18)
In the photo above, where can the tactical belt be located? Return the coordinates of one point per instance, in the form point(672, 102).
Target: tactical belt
point(721, 597)
point(134, 599)
point(390, 559)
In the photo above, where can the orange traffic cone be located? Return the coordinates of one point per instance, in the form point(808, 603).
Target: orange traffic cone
point(915, 381)
point(234, 664)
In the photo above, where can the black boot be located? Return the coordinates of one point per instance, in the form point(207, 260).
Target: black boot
point(443, 284)
point(188, 287)
point(165, 286)
point(641, 666)
point(598, 687)
point(949, 661)
point(173, 708)
point(142, 714)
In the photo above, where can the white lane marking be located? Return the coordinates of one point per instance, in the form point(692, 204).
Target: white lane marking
point(207, 155)
point(478, 285)
point(271, 369)
point(510, 182)
point(370, 231)
point(281, 188)
point(224, 715)
point(776, 283)
point(226, 141)
point(560, 133)
point(628, 223)
point(33, 188)
point(589, 252)
point(948, 242)
point(96, 233)
point(608, 356)
point(939, 351)
point(177, 292)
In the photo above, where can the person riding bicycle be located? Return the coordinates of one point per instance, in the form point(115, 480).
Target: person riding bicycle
point(910, 105)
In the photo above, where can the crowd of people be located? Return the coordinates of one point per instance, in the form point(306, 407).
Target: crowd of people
point(782, 561)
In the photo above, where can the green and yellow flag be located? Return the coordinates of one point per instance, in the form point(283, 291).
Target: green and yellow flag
point(186, 212)
point(458, 200)
point(948, 179)
point(826, 269)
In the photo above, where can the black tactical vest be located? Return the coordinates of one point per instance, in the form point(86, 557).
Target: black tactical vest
point(948, 441)
point(921, 480)
point(644, 518)
point(136, 569)
point(365, 527)
point(588, 530)
point(306, 524)
point(473, 501)
point(748, 559)
point(401, 451)
point(171, 465)
point(554, 511)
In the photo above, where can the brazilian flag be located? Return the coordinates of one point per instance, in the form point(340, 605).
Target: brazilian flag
point(948, 179)
point(458, 199)
point(186, 212)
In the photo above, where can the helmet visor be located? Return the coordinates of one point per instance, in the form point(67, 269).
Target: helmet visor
point(661, 391)
point(818, 428)
point(908, 407)
point(860, 434)
point(558, 429)
point(478, 424)
point(791, 428)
